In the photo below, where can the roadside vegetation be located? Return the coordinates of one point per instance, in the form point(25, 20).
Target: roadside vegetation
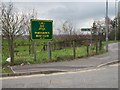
point(22, 53)
point(67, 45)
point(65, 54)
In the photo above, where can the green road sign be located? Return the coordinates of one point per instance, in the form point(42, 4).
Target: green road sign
point(41, 29)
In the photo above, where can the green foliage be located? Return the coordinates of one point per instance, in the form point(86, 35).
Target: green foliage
point(6, 70)
point(22, 53)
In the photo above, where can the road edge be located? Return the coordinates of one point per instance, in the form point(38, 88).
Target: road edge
point(108, 63)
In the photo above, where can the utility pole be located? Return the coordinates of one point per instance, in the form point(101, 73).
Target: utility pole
point(91, 36)
point(118, 19)
point(115, 19)
point(107, 27)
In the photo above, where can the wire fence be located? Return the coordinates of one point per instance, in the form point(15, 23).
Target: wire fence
point(53, 51)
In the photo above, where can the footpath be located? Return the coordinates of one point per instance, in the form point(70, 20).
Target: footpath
point(71, 65)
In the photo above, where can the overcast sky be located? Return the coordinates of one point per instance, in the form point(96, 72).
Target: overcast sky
point(81, 14)
point(57, 0)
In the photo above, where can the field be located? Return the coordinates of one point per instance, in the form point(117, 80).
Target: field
point(22, 55)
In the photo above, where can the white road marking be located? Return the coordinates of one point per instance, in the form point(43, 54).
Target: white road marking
point(115, 65)
point(42, 75)
point(106, 63)
point(72, 72)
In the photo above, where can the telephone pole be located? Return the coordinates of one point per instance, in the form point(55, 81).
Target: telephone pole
point(107, 27)
point(115, 18)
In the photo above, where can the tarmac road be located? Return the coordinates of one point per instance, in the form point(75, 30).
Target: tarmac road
point(103, 77)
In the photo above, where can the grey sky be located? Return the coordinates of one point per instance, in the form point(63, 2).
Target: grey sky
point(57, 0)
point(81, 14)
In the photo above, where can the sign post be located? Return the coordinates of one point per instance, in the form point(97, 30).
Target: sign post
point(34, 51)
point(49, 51)
point(42, 29)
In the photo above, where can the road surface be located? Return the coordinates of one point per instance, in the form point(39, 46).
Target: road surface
point(103, 77)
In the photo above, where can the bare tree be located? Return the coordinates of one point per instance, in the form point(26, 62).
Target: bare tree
point(68, 28)
point(12, 26)
point(28, 17)
point(99, 30)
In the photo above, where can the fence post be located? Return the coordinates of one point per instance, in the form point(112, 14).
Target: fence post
point(96, 47)
point(87, 50)
point(100, 44)
point(74, 50)
point(34, 46)
point(49, 51)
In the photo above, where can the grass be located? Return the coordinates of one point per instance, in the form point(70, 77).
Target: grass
point(23, 55)
point(42, 56)
point(6, 70)
point(113, 41)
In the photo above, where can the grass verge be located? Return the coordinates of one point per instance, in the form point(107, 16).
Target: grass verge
point(23, 55)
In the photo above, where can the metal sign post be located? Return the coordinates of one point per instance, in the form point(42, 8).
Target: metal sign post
point(41, 29)
point(34, 51)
